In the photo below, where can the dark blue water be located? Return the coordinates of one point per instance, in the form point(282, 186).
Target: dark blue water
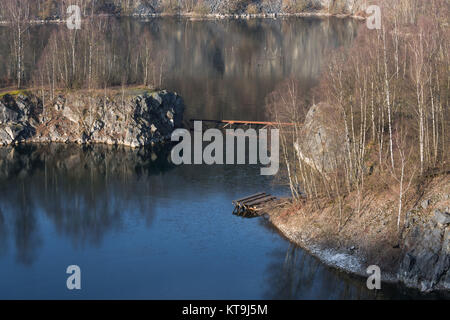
point(143, 229)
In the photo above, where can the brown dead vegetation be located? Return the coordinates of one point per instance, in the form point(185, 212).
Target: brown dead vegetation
point(369, 227)
point(392, 91)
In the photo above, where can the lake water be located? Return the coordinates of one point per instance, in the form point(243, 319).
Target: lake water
point(141, 228)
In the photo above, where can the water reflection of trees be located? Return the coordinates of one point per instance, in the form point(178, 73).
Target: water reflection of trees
point(76, 189)
point(295, 274)
point(222, 68)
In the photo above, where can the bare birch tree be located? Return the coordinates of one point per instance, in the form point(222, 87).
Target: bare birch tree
point(17, 14)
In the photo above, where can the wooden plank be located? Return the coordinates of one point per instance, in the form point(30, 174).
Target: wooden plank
point(249, 197)
point(260, 201)
point(229, 122)
point(258, 122)
point(254, 198)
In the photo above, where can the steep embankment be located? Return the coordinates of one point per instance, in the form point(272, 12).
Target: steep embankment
point(132, 118)
point(419, 258)
point(360, 229)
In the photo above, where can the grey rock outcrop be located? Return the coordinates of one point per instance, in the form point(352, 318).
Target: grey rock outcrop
point(426, 260)
point(134, 120)
point(322, 142)
point(442, 218)
point(15, 118)
point(145, 7)
point(150, 7)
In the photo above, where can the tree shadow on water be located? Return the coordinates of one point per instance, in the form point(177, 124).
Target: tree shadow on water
point(294, 274)
point(85, 192)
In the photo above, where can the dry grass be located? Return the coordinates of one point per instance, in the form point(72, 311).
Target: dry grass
point(367, 223)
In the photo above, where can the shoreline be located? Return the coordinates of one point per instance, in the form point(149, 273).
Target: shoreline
point(335, 259)
point(331, 257)
point(347, 251)
point(210, 16)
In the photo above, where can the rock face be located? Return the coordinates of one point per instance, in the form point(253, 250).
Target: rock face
point(149, 7)
point(322, 142)
point(442, 218)
point(426, 261)
point(145, 7)
point(280, 6)
point(133, 120)
point(16, 116)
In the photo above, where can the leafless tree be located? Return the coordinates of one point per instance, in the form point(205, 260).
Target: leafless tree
point(17, 14)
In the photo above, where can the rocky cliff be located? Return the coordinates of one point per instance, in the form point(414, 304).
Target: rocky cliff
point(56, 10)
point(426, 260)
point(148, 7)
point(130, 118)
point(322, 141)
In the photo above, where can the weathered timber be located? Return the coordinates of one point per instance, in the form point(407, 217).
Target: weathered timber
point(251, 206)
point(260, 201)
point(250, 197)
point(228, 123)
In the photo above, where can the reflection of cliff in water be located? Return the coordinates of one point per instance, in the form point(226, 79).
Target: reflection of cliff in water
point(74, 188)
point(223, 69)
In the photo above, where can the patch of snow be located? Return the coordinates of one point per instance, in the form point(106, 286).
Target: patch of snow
point(338, 259)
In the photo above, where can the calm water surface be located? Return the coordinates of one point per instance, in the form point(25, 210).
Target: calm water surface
point(141, 228)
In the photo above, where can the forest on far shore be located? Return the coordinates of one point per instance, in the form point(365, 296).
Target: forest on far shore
point(56, 9)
